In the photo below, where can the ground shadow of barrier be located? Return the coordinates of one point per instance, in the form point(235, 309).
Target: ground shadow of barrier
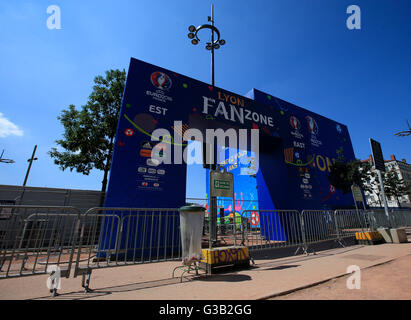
point(97, 292)
point(283, 267)
point(225, 277)
point(278, 253)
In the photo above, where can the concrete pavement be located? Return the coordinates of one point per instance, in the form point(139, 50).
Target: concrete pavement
point(387, 281)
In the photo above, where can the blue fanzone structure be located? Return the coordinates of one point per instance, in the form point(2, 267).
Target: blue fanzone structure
point(296, 149)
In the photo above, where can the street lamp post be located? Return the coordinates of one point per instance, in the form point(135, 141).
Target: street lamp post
point(2, 160)
point(30, 164)
point(213, 45)
point(27, 173)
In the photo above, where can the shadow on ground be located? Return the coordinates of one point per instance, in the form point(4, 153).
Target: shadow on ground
point(81, 295)
point(282, 267)
point(225, 278)
point(297, 251)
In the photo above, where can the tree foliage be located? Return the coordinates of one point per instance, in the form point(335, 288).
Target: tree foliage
point(89, 133)
point(394, 186)
point(344, 174)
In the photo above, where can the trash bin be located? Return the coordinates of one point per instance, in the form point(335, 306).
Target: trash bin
point(191, 227)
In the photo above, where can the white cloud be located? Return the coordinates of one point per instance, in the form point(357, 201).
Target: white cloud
point(8, 128)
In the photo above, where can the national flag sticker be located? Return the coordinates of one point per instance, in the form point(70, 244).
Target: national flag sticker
point(129, 132)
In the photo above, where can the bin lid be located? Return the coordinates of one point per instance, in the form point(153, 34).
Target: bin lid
point(193, 208)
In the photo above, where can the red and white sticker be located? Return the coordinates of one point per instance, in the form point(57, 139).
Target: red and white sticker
point(255, 219)
point(129, 132)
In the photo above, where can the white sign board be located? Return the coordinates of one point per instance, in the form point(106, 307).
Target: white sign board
point(356, 192)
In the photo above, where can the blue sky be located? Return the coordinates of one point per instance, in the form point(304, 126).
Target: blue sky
point(298, 50)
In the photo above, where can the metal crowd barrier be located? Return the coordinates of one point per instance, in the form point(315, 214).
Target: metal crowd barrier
point(400, 218)
point(32, 239)
point(319, 226)
point(290, 228)
point(126, 236)
point(348, 222)
point(272, 229)
point(225, 230)
point(377, 218)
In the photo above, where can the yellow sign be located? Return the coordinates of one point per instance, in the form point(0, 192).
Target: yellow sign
point(225, 255)
point(370, 235)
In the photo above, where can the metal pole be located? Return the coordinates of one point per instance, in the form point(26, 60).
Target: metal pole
point(212, 46)
point(27, 175)
point(209, 211)
point(31, 162)
point(211, 224)
point(366, 216)
point(213, 200)
point(358, 216)
point(234, 219)
point(383, 198)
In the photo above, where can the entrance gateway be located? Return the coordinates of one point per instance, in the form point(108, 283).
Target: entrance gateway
point(296, 148)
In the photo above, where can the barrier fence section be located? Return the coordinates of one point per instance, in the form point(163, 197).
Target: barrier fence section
point(113, 237)
point(290, 228)
point(275, 229)
point(319, 226)
point(377, 218)
point(401, 218)
point(33, 238)
point(349, 222)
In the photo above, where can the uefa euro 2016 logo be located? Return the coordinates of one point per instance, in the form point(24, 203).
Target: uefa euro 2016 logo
point(160, 80)
point(295, 123)
point(312, 125)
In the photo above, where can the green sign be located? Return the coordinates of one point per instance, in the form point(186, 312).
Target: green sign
point(222, 184)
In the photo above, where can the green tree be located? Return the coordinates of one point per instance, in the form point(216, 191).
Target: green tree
point(88, 137)
point(394, 186)
point(343, 174)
